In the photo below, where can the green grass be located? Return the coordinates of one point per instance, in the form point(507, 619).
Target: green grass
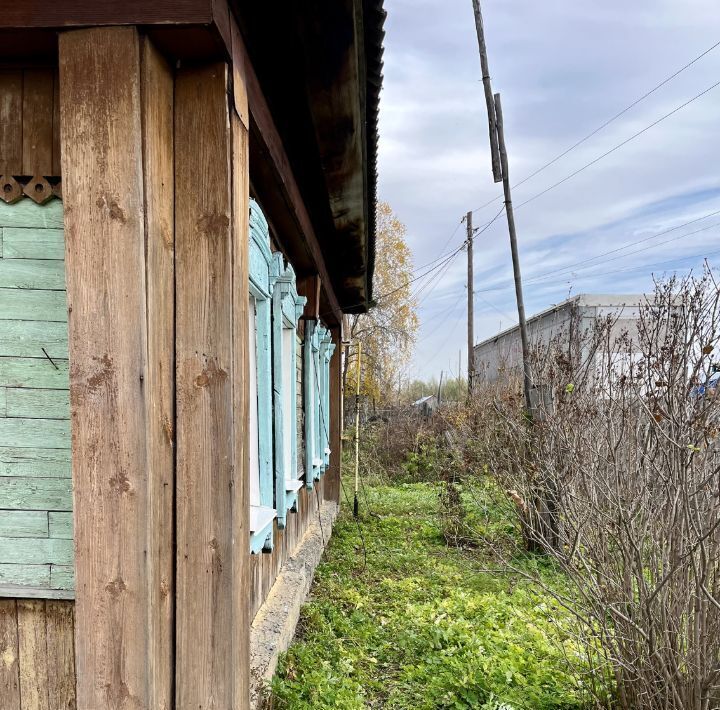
point(422, 625)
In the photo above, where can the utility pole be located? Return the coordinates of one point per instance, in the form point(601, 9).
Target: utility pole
point(471, 301)
point(499, 158)
point(527, 384)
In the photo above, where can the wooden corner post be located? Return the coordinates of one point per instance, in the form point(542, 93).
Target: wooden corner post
point(211, 222)
point(119, 262)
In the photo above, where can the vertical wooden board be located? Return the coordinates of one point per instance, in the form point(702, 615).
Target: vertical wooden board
point(37, 119)
point(9, 662)
point(157, 105)
point(32, 644)
point(241, 408)
point(10, 122)
point(203, 292)
point(105, 263)
point(60, 655)
point(56, 126)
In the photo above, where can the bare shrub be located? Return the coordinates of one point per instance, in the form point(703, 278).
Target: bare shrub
point(618, 480)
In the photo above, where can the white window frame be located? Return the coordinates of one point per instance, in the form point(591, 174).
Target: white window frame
point(262, 510)
point(288, 306)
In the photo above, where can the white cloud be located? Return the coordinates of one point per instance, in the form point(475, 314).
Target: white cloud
point(563, 68)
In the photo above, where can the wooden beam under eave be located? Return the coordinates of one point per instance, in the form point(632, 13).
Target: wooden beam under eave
point(114, 208)
point(95, 13)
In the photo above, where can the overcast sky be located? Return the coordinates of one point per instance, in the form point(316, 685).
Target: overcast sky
point(563, 67)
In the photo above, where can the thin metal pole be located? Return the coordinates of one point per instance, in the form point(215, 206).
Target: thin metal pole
point(357, 432)
point(471, 302)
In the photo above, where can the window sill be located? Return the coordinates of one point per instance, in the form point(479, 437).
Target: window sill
point(293, 486)
point(261, 527)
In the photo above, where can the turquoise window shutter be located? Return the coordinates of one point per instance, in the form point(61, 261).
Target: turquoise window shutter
point(310, 401)
point(287, 308)
point(262, 510)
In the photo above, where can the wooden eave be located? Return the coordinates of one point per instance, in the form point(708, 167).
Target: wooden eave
point(313, 86)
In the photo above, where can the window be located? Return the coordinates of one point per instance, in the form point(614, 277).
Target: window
point(287, 309)
point(262, 512)
point(326, 350)
point(318, 350)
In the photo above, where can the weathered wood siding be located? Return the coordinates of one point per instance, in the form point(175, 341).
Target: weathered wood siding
point(29, 122)
point(36, 539)
point(116, 130)
point(37, 659)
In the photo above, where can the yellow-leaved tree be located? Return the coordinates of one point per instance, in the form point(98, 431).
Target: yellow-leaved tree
point(387, 332)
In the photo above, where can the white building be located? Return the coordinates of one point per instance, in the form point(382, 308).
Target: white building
point(500, 355)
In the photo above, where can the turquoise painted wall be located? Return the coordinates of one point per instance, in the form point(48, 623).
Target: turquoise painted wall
point(36, 545)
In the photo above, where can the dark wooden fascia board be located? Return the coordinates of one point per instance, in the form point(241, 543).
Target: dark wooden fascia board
point(87, 13)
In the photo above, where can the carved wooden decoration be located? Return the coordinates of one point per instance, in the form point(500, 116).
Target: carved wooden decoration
point(10, 189)
point(39, 190)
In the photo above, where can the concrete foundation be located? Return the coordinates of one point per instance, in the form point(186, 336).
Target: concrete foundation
point(274, 625)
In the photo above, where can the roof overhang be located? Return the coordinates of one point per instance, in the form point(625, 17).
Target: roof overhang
point(319, 66)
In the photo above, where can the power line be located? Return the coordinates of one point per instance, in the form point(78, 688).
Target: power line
point(571, 267)
point(605, 124)
point(702, 255)
point(618, 146)
point(568, 269)
point(570, 272)
point(620, 271)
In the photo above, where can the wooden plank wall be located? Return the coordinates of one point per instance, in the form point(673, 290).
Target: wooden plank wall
point(36, 539)
point(29, 122)
point(37, 659)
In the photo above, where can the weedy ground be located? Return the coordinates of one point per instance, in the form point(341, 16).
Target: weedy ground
point(398, 619)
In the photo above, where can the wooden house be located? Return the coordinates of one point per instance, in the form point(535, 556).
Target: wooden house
point(187, 199)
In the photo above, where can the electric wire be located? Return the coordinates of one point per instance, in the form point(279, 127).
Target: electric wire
point(604, 124)
point(571, 272)
point(572, 266)
point(617, 147)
